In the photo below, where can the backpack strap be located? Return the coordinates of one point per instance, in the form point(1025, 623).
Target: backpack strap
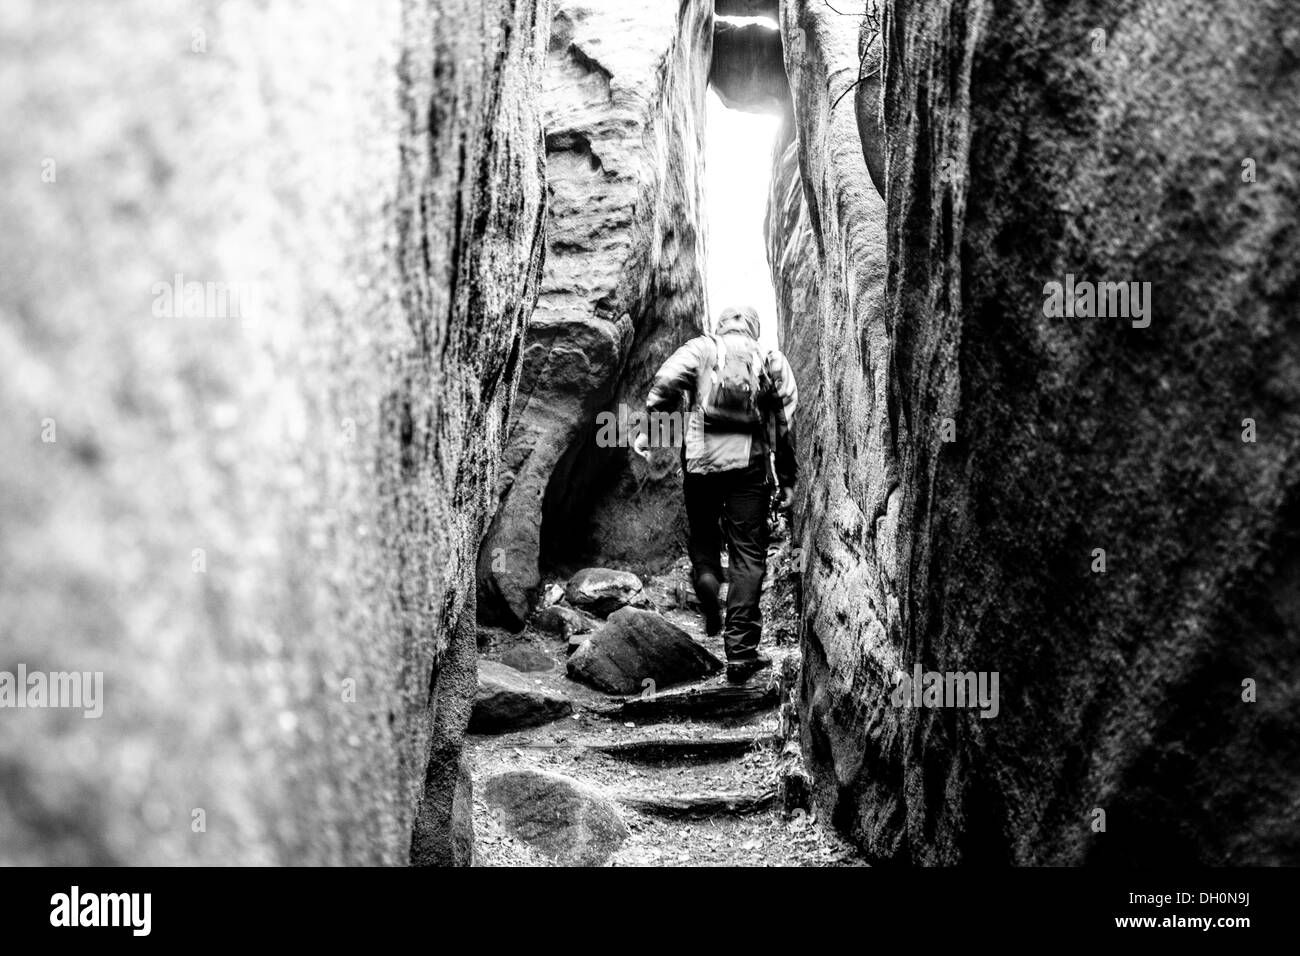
point(719, 355)
point(715, 373)
point(767, 388)
point(706, 376)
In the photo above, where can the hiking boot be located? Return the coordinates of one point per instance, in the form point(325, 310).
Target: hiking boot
point(712, 621)
point(741, 669)
point(706, 590)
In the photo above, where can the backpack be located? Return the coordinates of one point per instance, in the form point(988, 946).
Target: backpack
point(732, 388)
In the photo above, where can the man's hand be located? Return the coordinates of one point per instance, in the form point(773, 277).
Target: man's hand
point(785, 498)
point(641, 445)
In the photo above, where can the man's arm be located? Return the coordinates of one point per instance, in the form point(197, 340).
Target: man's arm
point(675, 376)
point(785, 399)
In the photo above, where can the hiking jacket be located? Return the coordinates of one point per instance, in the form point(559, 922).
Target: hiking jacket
point(712, 451)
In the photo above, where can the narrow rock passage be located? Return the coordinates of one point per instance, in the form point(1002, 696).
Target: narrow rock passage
point(324, 327)
point(696, 774)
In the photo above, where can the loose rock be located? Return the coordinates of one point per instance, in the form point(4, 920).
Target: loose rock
point(567, 820)
point(603, 591)
point(636, 646)
point(563, 621)
point(507, 700)
point(527, 659)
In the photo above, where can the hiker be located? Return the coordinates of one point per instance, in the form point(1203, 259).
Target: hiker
point(741, 405)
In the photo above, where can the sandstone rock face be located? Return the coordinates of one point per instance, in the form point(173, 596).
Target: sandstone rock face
point(454, 841)
point(507, 700)
point(1020, 148)
point(257, 515)
point(637, 646)
point(565, 819)
point(623, 287)
point(828, 267)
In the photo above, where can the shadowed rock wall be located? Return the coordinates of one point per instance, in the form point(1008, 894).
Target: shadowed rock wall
point(1114, 142)
point(747, 70)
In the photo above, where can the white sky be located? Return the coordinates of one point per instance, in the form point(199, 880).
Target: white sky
point(737, 171)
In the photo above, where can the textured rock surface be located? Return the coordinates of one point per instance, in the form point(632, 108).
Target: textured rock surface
point(636, 646)
point(564, 621)
point(565, 819)
point(261, 526)
point(826, 240)
point(602, 591)
point(1018, 152)
point(507, 700)
point(453, 842)
point(527, 658)
point(623, 287)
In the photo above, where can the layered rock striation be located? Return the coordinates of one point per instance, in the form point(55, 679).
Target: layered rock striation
point(623, 286)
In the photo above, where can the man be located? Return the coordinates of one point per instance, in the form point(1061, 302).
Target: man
point(741, 404)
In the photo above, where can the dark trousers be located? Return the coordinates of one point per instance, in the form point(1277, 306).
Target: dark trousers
point(731, 504)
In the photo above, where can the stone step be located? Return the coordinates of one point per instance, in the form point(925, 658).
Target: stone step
point(707, 804)
point(668, 750)
point(697, 703)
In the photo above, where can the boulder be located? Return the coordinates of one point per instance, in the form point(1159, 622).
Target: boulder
point(563, 621)
point(527, 659)
point(565, 819)
point(507, 700)
point(603, 591)
point(635, 646)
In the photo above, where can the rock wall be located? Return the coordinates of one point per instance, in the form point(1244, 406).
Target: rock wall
point(826, 245)
point(257, 518)
point(746, 8)
point(747, 70)
point(623, 287)
point(1118, 142)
